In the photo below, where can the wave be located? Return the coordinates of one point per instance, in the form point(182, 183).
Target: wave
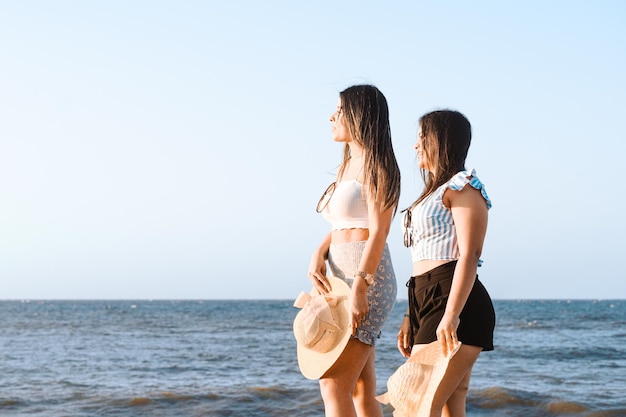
point(515, 403)
point(279, 401)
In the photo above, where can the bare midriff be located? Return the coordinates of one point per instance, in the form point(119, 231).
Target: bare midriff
point(349, 235)
point(421, 267)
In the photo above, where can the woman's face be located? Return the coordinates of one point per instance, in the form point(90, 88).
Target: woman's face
point(421, 154)
point(339, 130)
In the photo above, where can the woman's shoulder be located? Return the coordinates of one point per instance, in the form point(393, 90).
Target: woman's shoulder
point(462, 178)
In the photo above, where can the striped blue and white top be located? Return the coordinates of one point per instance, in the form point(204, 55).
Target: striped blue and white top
point(432, 228)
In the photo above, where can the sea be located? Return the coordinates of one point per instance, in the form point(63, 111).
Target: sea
point(238, 358)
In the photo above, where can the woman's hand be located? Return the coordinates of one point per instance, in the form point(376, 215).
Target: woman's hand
point(359, 306)
point(403, 338)
point(446, 332)
point(317, 274)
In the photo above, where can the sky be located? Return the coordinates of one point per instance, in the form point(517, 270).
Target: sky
point(177, 149)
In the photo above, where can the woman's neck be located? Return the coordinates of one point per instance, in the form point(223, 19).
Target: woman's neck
point(355, 151)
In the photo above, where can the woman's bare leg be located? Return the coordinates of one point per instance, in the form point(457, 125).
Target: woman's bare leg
point(451, 396)
point(365, 391)
point(339, 383)
point(456, 403)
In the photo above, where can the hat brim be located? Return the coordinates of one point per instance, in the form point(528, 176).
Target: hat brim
point(314, 365)
point(412, 387)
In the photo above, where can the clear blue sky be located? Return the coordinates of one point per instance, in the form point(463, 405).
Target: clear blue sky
point(177, 149)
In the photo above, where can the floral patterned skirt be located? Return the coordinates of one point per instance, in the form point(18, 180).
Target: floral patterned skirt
point(343, 260)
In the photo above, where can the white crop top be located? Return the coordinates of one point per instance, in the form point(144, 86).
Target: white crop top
point(347, 206)
point(432, 227)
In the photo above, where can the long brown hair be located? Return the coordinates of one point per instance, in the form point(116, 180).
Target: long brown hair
point(446, 138)
point(366, 115)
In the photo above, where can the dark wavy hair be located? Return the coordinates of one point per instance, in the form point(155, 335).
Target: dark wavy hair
point(446, 138)
point(366, 115)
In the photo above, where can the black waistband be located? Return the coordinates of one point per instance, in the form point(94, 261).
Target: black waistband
point(437, 274)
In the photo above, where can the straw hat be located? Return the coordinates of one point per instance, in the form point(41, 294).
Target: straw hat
point(412, 388)
point(322, 328)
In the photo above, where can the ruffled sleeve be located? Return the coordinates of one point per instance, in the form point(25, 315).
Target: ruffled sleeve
point(463, 178)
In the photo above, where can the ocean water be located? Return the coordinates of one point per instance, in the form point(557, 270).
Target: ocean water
point(237, 358)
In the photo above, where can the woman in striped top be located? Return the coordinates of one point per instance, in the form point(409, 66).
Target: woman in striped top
point(445, 229)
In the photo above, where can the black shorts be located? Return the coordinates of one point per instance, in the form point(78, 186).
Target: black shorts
point(428, 295)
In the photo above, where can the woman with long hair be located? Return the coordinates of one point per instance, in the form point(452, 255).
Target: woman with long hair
point(445, 229)
point(359, 206)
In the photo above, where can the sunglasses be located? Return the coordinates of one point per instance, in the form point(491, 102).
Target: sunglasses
point(408, 229)
point(325, 198)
